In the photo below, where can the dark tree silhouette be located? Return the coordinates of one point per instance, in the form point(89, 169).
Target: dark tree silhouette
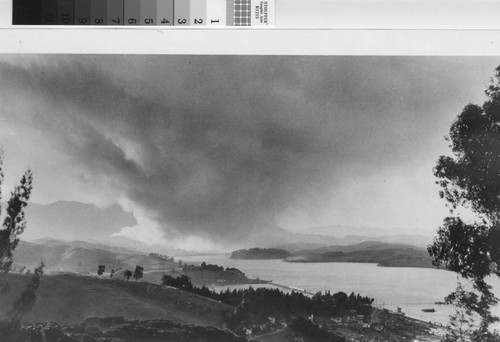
point(471, 179)
point(14, 225)
point(15, 221)
point(182, 282)
point(258, 304)
point(138, 272)
point(24, 303)
point(101, 270)
point(127, 274)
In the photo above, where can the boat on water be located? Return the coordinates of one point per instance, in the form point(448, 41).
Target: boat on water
point(429, 310)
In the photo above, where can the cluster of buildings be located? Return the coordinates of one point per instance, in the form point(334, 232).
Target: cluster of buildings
point(378, 320)
point(271, 324)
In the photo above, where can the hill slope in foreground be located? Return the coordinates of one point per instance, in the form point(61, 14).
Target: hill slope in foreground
point(69, 298)
point(83, 308)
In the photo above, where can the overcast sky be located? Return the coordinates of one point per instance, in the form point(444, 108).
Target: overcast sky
point(206, 147)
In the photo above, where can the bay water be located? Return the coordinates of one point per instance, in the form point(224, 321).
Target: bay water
point(409, 288)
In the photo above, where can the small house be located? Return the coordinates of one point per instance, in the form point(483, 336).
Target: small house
point(336, 320)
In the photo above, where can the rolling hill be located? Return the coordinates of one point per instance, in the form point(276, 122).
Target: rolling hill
point(70, 298)
point(83, 257)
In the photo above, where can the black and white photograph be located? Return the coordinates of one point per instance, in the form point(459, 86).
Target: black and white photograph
point(273, 198)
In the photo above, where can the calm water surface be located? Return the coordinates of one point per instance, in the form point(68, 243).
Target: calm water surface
point(412, 289)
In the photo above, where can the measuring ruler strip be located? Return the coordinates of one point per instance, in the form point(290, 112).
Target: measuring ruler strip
point(195, 13)
point(198, 12)
point(82, 12)
point(98, 12)
point(115, 14)
point(165, 12)
point(216, 13)
point(181, 12)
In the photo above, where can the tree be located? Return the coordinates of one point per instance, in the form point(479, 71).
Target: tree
point(127, 274)
point(101, 270)
point(139, 272)
point(462, 322)
point(26, 300)
point(182, 282)
point(14, 225)
point(471, 179)
point(14, 222)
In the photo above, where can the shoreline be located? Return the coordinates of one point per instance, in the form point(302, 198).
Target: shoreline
point(425, 330)
point(262, 283)
point(291, 274)
point(291, 288)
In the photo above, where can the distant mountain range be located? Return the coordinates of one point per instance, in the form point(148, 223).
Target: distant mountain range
point(342, 231)
point(273, 236)
point(70, 221)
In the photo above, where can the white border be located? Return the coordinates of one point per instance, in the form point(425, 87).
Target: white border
point(251, 42)
point(322, 27)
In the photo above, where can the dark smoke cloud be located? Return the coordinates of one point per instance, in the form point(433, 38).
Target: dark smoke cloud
point(217, 145)
point(208, 150)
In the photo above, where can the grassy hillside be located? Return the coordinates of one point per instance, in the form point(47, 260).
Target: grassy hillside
point(122, 311)
point(69, 298)
point(84, 258)
point(118, 329)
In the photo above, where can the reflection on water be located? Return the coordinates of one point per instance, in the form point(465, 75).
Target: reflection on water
point(411, 289)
